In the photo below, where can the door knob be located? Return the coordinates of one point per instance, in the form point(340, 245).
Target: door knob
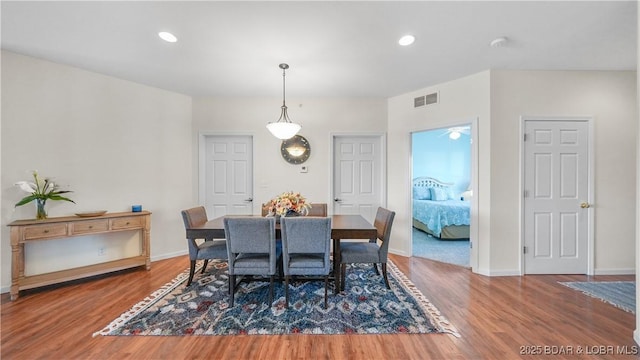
point(336, 199)
point(248, 200)
point(585, 205)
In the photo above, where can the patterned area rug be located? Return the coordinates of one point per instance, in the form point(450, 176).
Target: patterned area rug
point(621, 294)
point(365, 307)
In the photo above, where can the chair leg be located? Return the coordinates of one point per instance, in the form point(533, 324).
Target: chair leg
point(343, 270)
point(286, 290)
point(232, 289)
point(192, 269)
point(206, 262)
point(271, 278)
point(326, 285)
point(384, 273)
point(375, 267)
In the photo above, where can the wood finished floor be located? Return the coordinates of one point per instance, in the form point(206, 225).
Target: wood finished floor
point(495, 317)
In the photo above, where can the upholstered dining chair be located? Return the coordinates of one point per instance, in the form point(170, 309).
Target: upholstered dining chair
point(251, 249)
point(305, 243)
point(318, 209)
point(209, 249)
point(370, 252)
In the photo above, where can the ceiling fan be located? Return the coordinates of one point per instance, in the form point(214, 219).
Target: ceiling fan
point(456, 131)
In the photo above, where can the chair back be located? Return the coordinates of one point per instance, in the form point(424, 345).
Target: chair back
point(318, 209)
point(306, 246)
point(194, 217)
point(250, 234)
point(308, 235)
point(383, 222)
point(265, 210)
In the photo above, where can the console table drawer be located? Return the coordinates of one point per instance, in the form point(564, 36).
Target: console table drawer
point(44, 231)
point(126, 223)
point(90, 226)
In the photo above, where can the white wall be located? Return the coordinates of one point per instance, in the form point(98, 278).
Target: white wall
point(498, 99)
point(608, 96)
point(319, 117)
point(115, 143)
point(460, 102)
point(112, 142)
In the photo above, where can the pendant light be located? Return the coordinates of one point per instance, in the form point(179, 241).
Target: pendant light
point(284, 128)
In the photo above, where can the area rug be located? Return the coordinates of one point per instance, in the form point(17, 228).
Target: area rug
point(365, 307)
point(621, 294)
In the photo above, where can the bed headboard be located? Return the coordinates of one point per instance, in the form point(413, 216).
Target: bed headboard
point(430, 182)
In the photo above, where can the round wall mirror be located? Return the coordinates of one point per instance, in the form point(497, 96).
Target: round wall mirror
point(295, 150)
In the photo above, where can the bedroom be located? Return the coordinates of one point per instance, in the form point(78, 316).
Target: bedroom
point(441, 194)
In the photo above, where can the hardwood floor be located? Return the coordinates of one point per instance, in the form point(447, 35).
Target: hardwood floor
point(497, 317)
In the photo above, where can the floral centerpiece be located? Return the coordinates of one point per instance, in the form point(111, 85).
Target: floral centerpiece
point(41, 191)
point(287, 204)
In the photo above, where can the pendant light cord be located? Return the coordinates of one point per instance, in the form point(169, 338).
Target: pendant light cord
point(283, 87)
point(283, 115)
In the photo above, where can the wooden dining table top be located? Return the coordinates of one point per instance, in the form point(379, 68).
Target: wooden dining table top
point(342, 227)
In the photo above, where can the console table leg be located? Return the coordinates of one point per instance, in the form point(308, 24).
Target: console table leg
point(17, 262)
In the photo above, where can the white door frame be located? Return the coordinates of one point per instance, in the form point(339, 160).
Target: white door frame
point(202, 137)
point(590, 188)
point(473, 228)
point(383, 162)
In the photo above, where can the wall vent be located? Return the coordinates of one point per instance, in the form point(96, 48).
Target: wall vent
point(431, 98)
point(425, 100)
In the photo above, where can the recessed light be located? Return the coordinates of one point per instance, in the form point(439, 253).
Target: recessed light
point(406, 40)
point(167, 36)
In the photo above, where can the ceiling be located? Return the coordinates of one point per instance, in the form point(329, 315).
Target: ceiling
point(336, 48)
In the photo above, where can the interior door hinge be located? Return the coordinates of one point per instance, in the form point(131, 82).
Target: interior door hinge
point(524, 137)
point(525, 250)
point(526, 193)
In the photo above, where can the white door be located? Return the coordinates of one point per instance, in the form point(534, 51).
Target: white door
point(228, 175)
point(358, 175)
point(556, 195)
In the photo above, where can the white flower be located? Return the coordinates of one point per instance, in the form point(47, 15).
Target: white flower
point(26, 186)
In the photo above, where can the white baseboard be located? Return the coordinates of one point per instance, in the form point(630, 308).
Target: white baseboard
point(6, 289)
point(169, 255)
point(397, 252)
point(636, 336)
point(627, 271)
point(488, 272)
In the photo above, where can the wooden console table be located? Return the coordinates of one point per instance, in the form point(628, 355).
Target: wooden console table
point(23, 231)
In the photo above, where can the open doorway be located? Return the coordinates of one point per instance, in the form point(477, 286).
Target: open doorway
point(441, 194)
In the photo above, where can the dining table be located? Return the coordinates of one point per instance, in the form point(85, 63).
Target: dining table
point(343, 227)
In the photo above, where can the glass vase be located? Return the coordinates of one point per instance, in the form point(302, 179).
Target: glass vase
point(41, 212)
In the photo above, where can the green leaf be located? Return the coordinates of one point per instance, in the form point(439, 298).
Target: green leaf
point(26, 200)
point(58, 197)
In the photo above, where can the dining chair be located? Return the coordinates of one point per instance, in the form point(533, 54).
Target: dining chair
point(318, 209)
point(206, 250)
point(306, 250)
point(251, 249)
point(370, 252)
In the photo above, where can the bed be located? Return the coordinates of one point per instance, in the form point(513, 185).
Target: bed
point(437, 211)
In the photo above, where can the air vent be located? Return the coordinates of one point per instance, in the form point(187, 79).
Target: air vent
point(425, 100)
point(431, 98)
